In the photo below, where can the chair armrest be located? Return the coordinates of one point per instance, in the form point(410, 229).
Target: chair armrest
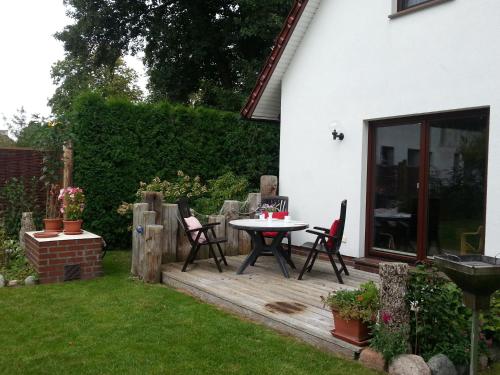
point(321, 234)
point(202, 229)
point(209, 225)
point(323, 229)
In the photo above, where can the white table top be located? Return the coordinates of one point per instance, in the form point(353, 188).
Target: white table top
point(62, 237)
point(274, 225)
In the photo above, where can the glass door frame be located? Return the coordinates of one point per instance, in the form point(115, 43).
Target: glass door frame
point(423, 189)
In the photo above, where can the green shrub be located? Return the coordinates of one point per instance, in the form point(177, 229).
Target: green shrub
point(19, 195)
point(440, 322)
point(362, 303)
point(491, 319)
point(226, 187)
point(388, 340)
point(117, 144)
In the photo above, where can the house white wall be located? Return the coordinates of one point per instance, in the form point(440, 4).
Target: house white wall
point(354, 65)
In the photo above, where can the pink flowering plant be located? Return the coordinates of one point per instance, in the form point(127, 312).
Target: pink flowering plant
point(72, 202)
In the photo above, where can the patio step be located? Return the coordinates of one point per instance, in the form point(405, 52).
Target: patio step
point(368, 264)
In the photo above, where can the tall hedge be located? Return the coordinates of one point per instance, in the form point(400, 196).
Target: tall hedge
point(118, 143)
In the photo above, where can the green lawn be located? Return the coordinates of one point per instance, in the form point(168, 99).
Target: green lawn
point(116, 325)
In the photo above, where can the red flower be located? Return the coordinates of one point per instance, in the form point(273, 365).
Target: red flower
point(386, 317)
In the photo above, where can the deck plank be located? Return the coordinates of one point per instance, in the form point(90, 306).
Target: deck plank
point(255, 293)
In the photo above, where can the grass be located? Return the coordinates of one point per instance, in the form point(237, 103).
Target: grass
point(117, 325)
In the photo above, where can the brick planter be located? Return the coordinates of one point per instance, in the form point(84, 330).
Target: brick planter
point(65, 258)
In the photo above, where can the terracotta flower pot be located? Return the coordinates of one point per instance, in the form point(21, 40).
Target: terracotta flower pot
point(53, 225)
point(355, 332)
point(72, 226)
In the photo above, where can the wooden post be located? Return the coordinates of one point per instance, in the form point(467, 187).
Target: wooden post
point(152, 253)
point(220, 230)
point(231, 211)
point(170, 226)
point(183, 244)
point(155, 201)
point(68, 164)
point(244, 243)
point(253, 204)
point(268, 186)
point(148, 219)
point(138, 220)
point(27, 225)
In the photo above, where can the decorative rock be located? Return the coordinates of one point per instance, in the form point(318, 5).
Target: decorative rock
point(2, 281)
point(30, 280)
point(372, 359)
point(441, 365)
point(409, 364)
point(12, 283)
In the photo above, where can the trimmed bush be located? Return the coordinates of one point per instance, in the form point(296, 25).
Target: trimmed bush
point(117, 144)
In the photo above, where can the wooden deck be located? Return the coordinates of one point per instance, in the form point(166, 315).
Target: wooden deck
point(262, 294)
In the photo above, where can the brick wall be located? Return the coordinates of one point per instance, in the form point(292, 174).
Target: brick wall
point(21, 162)
point(49, 257)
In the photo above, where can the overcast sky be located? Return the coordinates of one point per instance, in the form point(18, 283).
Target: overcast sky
point(28, 51)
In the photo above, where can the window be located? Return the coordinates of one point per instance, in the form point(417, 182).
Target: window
point(406, 4)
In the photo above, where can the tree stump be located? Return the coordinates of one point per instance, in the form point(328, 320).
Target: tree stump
point(253, 204)
point(268, 186)
point(148, 219)
point(154, 200)
point(231, 211)
point(27, 225)
point(152, 253)
point(138, 220)
point(170, 227)
point(393, 288)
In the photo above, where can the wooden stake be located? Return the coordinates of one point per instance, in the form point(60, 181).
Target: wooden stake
point(27, 225)
point(155, 200)
point(231, 210)
point(138, 220)
point(152, 253)
point(268, 186)
point(149, 219)
point(170, 227)
point(253, 204)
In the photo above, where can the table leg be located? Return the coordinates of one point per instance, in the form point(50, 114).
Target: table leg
point(257, 248)
point(274, 247)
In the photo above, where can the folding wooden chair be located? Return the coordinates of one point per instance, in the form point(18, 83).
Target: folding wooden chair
point(203, 236)
point(328, 242)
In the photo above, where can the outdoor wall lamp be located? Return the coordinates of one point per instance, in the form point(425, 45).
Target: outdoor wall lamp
point(336, 134)
point(339, 136)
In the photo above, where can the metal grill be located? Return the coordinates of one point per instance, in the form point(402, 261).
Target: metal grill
point(72, 272)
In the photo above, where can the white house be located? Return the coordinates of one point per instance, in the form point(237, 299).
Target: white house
point(413, 85)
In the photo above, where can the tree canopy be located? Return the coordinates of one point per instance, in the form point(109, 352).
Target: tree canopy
point(203, 51)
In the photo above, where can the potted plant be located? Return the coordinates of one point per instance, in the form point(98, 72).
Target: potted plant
point(353, 311)
point(73, 204)
point(53, 221)
point(267, 210)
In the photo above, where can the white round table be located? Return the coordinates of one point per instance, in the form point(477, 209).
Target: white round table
point(256, 227)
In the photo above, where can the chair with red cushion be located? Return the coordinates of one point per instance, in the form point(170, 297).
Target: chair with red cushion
point(328, 241)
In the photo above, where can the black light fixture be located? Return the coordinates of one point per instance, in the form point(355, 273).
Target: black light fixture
point(339, 136)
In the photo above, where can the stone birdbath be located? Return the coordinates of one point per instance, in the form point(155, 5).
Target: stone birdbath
point(479, 277)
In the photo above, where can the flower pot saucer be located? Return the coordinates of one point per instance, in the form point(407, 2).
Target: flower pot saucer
point(73, 233)
point(46, 234)
point(349, 339)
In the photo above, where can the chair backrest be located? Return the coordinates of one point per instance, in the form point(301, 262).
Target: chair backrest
point(184, 212)
point(340, 229)
point(280, 202)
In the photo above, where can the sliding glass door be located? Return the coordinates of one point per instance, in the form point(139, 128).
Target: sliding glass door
point(427, 185)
